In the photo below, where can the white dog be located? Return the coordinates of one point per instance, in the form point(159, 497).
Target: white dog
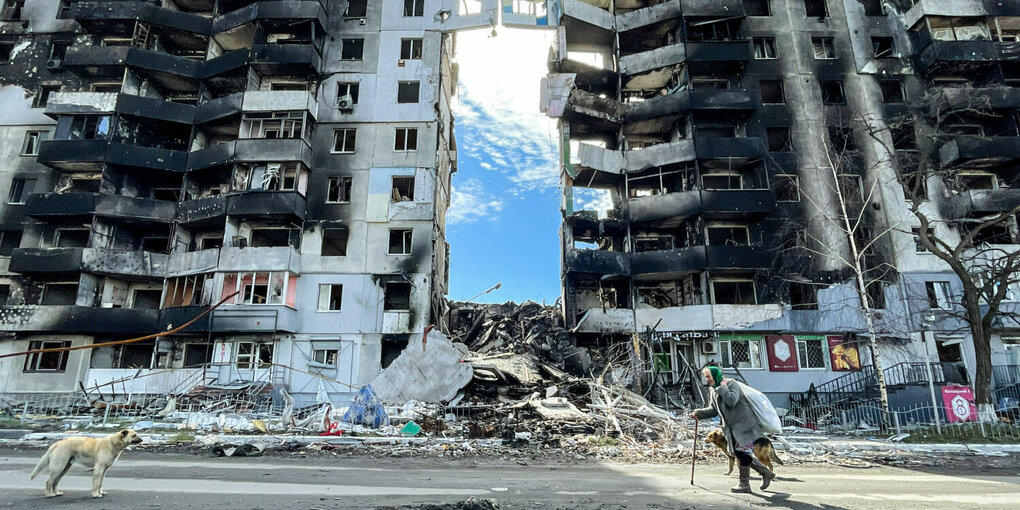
point(99, 454)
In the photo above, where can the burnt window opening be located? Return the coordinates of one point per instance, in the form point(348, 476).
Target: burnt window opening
point(356, 9)
point(252, 355)
point(728, 235)
point(268, 237)
point(188, 290)
point(975, 181)
point(338, 190)
point(410, 49)
point(716, 131)
point(392, 346)
point(334, 242)
point(6, 52)
point(46, 361)
point(892, 91)
point(207, 243)
point(32, 141)
point(89, 127)
point(794, 239)
point(59, 294)
point(71, 237)
point(733, 292)
point(851, 189)
point(5, 294)
point(823, 48)
point(407, 91)
point(649, 242)
point(155, 244)
point(20, 190)
point(106, 88)
point(710, 84)
point(58, 49)
point(842, 139)
point(146, 299)
point(352, 49)
point(43, 96)
point(351, 89)
point(403, 189)
point(344, 140)
point(726, 29)
point(772, 91)
point(787, 188)
point(9, 241)
point(398, 296)
point(915, 186)
point(400, 242)
point(414, 8)
point(758, 7)
point(12, 10)
point(722, 180)
point(330, 297)
point(873, 7)
point(815, 9)
point(765, 48)
point(903, 138)
point(989, 234)
point(196, 355)
point(883, 47)
point(876, 294)
point(405, 140)
point(657, 295)
point(166, 194)
point(803, 296)
point(832, 92)
point(939, 296)
point(778, 139)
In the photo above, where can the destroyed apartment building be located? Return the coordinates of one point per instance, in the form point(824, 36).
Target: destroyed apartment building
point(728, 132)
point(290, 158)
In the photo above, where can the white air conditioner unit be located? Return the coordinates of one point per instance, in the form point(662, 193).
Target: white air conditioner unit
point(345, 102)
point(709, 348)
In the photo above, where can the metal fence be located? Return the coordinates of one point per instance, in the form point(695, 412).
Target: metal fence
point(922, 420)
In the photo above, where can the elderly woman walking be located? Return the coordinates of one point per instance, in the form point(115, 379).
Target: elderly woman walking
point(740, 425)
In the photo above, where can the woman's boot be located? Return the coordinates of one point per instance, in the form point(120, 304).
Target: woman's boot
point(766, 474)
point(745, 475)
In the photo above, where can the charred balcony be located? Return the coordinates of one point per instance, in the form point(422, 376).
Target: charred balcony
point(695, 259)
point(277, 205)
point(68, 205)
point(76, 155)
point(979, 151)
point(267, 59)
point(648, 14)
point(602, 262)
point(126, 264)
point(736, 149)
point(272, 15)
point(170, 72)
point(995, 98)
point(586, 25)
point(230, 318)
point(718, 56)
point(713, 204)
point(173, 27)
point(71, 103)
point(202, 211)
point(981, 202)
point(713, 8)
point(46, 260)
point(78, 319)
point(251, 149)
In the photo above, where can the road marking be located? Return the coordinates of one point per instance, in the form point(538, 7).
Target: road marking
point(210, 464)
point(15, 481)
point(1004, 500)
point(1002, 480)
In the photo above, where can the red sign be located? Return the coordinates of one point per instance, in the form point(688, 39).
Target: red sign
point(782, 350)
point(843, 354)
point(959, 402)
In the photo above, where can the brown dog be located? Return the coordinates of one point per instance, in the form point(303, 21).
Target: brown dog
point(99, 454)
point(762, 449)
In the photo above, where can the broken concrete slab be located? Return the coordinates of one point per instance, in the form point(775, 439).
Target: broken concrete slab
point(426, 371)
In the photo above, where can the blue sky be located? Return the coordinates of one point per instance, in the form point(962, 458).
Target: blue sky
point(504, 218)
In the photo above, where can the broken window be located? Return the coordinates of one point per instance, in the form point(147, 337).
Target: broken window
point(197, 355)
point(89, 127)
point(6, 52)
point(803, 296)
point(778, 139)
point(256, 289)
point(812, 352)
point(815, 9)
point(59, 294)
point(356, 9)
point(46, 361)
point(741, 353)
point(892, 91)
point(938, 295)
point(656, 295)
point(410, 49)
point(252, 355)
point(733, 292)
point(841, 139)
point(765, 48)
point(945, 28)
point(338, 190)
point(190, 290)
point(398, 296)
point(155, 244)
point(392, 346)
point(823, 48)
point(32, 141)
point(352, 49)
point(989, 234)
point(325, 357)
point(876, 294)
point(20, 190)
point(261, 288)
point(883, 47)
point(649, 242)
point(43, 96)
point(722, 180)
point(334, 242)
point(710, 84)
point(9, 240)
point(787, 188)
point(406, 140)
point(772, 91)
point(850, 189)
point(345, 89)
point(403, 189)
point(400, 242)
point(268, 237)
point(71, 237)
point(727, 235)
point(873, 7)
point(915, 185)
point(976, 180)
point(330, 297)
point(903, 138)
point(758, 7)
point(725, 29)
point(210, 242)
point(12, 10)
point(146, 299)
point(414, 8)
point(273, 125)
point(407, 91)
point(344, 140)
point(289, 85)
point(832, 92)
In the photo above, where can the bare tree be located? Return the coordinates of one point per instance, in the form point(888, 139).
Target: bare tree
point(978, 248)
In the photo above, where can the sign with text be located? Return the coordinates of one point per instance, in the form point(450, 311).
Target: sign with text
point(782, 351)
point(682, 336)
point(843, 354)
point(959, 403)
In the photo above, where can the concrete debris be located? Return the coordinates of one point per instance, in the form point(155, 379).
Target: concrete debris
point(231, 450)
point(427, 371)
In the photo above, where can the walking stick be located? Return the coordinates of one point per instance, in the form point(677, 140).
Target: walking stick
point(694, 452)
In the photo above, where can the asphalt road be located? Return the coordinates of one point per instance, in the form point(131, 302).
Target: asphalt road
point(144, 480)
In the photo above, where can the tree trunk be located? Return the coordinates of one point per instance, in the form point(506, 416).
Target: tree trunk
point(981, 337)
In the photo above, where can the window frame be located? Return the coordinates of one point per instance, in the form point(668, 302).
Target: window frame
point(405, 140)
point(353, 141)
point(769, 50)
point(796, 186)
point(413, 9)
point(343, 192)
point(329, 299)
point(939, 295)
point(22, 187)
point(754, 290)
point(407, 242)
point(325, 241)
point(827, 45)
point(33, 360)
point(802, 353)
point(412, 44)
point(348, 88)
point(417, 91)
point(349, 41)
point(726, 353)
point(770, 83)
point(39, 137)
point(326, 354)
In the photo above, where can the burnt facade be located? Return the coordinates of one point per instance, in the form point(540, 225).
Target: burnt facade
point(727, 133)
point(291, 157)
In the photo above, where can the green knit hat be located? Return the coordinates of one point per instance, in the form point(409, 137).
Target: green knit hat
point(716, 374)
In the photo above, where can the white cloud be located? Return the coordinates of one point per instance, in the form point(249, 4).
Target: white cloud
point(498, 101)
point(589, 199)
point(469, 202)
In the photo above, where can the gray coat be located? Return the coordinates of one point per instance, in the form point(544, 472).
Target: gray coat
point(740, 425)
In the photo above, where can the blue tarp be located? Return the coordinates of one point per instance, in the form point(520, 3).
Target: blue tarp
point(367, 409)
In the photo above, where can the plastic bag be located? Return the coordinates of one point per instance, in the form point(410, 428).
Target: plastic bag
point(768, 418)
point(367, 409)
